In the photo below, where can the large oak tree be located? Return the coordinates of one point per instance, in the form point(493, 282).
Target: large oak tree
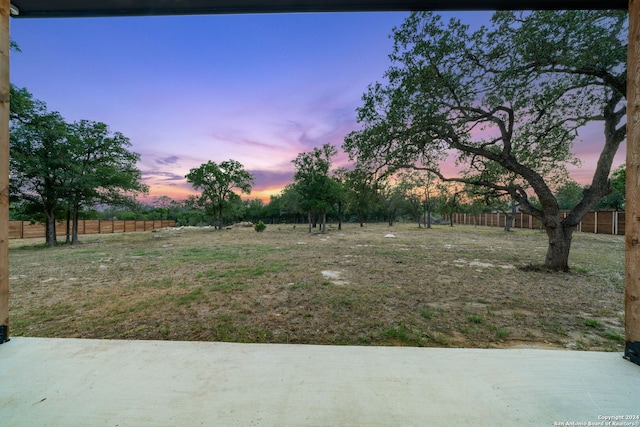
point(101, 169)
point(39, 153)
point(506, 102)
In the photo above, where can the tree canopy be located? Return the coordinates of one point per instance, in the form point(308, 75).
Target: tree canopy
point(569, 194)
point(617, 198)
point(317, 189)
point(217, 182)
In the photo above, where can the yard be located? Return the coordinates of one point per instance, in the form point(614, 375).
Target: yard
point(448, 287)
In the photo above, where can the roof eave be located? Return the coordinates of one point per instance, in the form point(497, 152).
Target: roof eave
point(105, 8)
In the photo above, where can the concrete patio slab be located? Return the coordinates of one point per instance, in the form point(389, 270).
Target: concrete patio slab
point(74, 382)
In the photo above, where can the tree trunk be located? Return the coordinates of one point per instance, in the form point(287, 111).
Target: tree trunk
point(51, 227)
point(68, 231)
point(508, 222)
point(339, 216)
point(560, 235)
point(74, 229)
point(309, 218)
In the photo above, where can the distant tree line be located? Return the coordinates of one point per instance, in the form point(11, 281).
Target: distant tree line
point(351, 196)
point(86, 188)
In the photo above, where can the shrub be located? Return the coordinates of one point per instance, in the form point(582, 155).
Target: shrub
point(259, 227)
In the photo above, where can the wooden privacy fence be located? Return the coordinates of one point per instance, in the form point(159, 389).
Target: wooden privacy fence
point(599, 222)
point(27, 230)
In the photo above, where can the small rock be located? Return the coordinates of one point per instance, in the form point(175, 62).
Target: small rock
point(331, 274)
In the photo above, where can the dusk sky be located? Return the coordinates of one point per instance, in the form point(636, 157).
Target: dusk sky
point(258, 89)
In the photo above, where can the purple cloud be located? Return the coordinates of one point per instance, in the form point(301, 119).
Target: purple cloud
point(162, 176)
point(169, 160)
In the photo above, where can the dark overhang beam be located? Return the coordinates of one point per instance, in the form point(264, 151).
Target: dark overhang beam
point(84, 8)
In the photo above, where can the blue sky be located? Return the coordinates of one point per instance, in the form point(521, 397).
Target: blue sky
point(254, 88)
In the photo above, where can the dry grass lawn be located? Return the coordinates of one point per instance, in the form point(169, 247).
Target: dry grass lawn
point(451, 287)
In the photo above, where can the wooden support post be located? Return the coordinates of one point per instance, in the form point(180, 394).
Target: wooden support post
point(4, 170)
point(632, 233)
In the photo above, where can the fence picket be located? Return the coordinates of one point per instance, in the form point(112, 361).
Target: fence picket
point(593, 223)
point(24, 229)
